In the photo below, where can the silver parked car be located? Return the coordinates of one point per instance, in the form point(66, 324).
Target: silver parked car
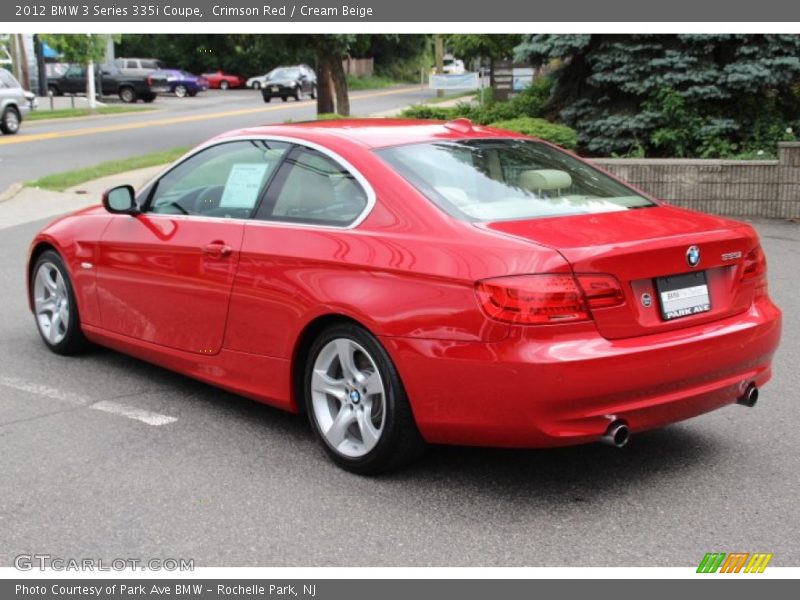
point(14, 103)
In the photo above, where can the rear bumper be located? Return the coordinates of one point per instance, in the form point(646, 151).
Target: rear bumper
point(539, 389)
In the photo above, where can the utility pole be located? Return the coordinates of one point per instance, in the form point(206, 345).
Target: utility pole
point(438, 49)
point(90, 87)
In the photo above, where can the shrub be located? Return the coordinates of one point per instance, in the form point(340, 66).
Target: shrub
point(561, 135)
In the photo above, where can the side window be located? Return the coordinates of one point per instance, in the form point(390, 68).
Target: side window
point(131, 64)
point(7, 79)
point(315, 189)
point(149, 64)
point(75, 71)
point(225, 180)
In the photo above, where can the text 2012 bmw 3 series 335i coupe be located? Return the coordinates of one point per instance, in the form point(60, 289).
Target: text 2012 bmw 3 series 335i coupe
point(413, 282)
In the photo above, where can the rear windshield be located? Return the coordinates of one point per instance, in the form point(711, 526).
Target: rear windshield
point(508, 179)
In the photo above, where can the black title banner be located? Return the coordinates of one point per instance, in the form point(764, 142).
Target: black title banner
point(460, 11)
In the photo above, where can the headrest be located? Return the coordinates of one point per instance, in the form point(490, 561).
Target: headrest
point(544, 179)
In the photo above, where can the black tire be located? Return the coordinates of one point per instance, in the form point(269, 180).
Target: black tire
point(53, 90)
point(10, 121)
point(298, 94)
point(74, 342)
point(400, 442)
point(314, 92)
point(127, 94)
point(256, 85)
point(224, 85)
point(284, 98)
point(267, 98)
point(149, 99)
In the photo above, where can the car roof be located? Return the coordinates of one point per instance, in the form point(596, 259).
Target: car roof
point(375, 133)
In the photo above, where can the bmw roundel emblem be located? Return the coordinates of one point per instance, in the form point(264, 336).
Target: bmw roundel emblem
point(647, 300)
point(693, 256)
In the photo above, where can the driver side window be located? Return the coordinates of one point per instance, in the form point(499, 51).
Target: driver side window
point(224, 181)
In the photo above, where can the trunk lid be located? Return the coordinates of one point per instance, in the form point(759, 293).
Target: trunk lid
point(638, 247)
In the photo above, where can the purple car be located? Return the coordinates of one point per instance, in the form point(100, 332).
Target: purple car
point(176, 81)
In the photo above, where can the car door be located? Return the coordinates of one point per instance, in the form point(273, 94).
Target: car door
point(74, 80)
point(164, 276)
point(311, 202)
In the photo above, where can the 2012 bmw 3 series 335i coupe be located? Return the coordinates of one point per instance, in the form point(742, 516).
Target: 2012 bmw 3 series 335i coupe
point(406, 283)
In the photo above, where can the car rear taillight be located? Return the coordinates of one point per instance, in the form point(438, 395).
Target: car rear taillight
point(547, 298)
point(149, 80)
point(755, 269)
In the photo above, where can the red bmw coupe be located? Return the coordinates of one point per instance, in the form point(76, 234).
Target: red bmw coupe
point(407, 282)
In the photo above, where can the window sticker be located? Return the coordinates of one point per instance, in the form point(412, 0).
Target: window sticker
point(243, 185)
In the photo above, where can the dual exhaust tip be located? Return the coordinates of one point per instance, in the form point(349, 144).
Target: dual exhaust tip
point(618, 434)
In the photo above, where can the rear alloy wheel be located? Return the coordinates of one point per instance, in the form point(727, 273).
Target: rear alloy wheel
point(181, 91)
point(298, 94)
point(356, 402)
point(127, 95)
point(224, 85)
point(9, 123)
point(256, 85)
point(54, 306)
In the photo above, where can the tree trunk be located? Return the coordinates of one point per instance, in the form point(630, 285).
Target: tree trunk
point(324, 87)
point(340, 86)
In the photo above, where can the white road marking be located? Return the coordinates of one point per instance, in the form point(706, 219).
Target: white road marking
point(108, 406)
point(42, 390)
point(132, 412)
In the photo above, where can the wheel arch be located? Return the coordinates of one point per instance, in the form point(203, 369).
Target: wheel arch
point(37, 250)
point(302, 345)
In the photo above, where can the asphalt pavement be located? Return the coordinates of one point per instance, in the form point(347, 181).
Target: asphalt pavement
point(45, 147)
point(105, 456)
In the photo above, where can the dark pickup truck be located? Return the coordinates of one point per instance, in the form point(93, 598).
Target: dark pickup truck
point(110, 82)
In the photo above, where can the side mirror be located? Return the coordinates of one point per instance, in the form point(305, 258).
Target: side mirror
point(120, 200)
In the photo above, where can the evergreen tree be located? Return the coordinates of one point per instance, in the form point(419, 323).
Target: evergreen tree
point(673, 95)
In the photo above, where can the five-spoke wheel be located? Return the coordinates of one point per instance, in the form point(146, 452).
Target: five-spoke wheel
point(356, 402)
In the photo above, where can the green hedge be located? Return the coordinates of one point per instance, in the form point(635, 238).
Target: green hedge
point(561, 135)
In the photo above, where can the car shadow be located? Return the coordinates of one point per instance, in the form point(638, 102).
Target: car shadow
point(571, 474)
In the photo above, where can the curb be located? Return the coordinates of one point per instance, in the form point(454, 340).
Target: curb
point(11, 191)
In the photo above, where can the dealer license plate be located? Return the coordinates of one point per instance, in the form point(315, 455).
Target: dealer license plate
point(683, 295)
point(274, 88)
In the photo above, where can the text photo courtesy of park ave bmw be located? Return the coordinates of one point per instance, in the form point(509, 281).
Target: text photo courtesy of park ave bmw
point(316, 295)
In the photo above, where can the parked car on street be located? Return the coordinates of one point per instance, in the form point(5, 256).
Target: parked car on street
point(111, 82)
point(413, 282)
point(175, 81)
point(223, 80)
point(285, 82)
point(15, 103)
point(138, 67)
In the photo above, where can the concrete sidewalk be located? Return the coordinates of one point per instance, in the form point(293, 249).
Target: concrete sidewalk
point(27, 204)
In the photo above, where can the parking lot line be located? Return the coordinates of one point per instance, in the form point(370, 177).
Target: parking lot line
point(132, 412)
point(38, 137)
point(109, 406)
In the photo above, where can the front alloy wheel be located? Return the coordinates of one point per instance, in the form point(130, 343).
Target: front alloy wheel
point(356, 402)
point(181, 91)
point(224, 85)
point(54, 305)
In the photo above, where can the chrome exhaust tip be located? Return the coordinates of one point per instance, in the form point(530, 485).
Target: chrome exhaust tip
point(617, 434)
point(750, 396)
